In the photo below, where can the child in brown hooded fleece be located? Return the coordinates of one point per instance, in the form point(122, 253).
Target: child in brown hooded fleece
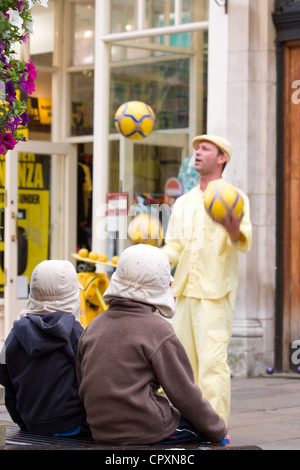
point(129, 351)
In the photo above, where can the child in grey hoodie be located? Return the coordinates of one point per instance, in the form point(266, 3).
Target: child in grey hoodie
point(39, 357)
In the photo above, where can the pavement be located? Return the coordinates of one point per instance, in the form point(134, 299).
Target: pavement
point(265, 412)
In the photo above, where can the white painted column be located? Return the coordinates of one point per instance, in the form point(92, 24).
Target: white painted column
point(101, 126)
point(251, 131)
point(217, 70)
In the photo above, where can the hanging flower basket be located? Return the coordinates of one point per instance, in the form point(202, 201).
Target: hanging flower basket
point(15, 75)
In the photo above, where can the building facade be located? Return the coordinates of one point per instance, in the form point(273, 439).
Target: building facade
point(204, 66)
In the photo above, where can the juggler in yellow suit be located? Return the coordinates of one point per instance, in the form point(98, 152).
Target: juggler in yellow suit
point(205, 286)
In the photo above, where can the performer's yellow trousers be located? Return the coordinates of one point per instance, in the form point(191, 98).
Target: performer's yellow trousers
point(204, 328)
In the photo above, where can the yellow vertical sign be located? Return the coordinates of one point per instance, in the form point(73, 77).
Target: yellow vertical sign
point(33, 213)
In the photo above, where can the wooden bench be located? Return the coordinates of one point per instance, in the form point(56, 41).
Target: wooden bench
point(15, 439)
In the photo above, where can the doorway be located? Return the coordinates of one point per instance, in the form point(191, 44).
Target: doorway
point(39, 202)
point(289, 190)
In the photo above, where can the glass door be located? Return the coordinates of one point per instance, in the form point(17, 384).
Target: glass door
point(39, 202)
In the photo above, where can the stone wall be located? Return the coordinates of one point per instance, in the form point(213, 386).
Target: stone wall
point(251, 128)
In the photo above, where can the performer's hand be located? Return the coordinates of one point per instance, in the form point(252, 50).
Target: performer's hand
point(231, 223)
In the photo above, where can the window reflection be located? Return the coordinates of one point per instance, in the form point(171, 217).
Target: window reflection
point(83, 18)
point(82, 105)
point(39, 109)
point(41, 50)
point(159, 12)
point(123, 16)
point(41, 44)
point(163, 85)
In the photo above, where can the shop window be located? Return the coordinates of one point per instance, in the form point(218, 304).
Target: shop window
point(123, 16)
point(39, 109)
point(164, 85)
point(170, 75)
point(83, 28)
point(41, 42)
point(40, 49)
point(114, 166)
point(84, 195)
point(159, 13)
point(153, 165)
point(156, 14)
point(82, 105)
point(198, 9)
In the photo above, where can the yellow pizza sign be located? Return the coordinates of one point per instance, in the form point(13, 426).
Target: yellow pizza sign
point(33, 212)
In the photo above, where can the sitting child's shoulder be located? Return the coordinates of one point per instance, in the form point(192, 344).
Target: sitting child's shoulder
point(162, 322)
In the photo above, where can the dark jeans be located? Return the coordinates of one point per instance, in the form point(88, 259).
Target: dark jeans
point(185, 432)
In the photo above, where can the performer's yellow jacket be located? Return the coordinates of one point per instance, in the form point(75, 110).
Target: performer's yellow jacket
point(206, 258)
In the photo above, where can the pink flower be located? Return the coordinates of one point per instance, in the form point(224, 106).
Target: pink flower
point(8, 141)
point(31, 76)
point(26, 83)
point(31, 69)
point(30, 85)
